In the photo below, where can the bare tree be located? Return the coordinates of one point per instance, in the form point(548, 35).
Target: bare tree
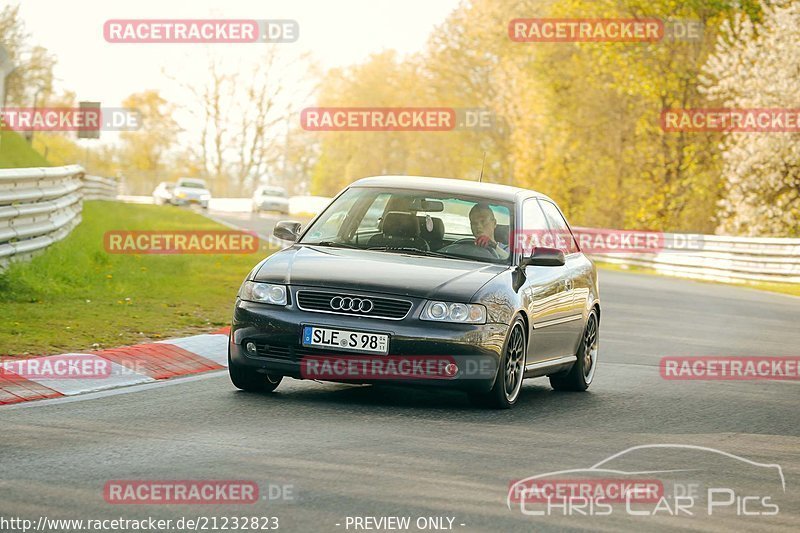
point(244, 116)
point(33, 76)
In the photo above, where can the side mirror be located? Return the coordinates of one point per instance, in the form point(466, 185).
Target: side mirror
point(544, 257)
point(287, 230)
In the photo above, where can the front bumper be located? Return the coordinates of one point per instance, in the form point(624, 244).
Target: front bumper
point(189, 200)
point(277, 332)
point(274, 206)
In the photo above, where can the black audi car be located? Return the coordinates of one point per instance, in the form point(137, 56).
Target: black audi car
point(422, 281)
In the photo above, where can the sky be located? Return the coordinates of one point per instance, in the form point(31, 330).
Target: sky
point(336, 32)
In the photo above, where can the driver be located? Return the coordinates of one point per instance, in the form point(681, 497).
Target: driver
point(483, 223)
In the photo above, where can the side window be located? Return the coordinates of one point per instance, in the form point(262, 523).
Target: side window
point(564, 240)
point(371, 221)
point(328, 228)
point(534, 227)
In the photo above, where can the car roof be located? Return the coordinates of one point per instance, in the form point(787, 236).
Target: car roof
point(195, 180)
point(493, 191)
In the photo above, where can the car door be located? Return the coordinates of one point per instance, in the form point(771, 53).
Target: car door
point(576, 279)
point(545, 294)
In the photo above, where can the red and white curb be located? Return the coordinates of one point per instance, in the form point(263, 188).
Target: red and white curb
point(52, 376)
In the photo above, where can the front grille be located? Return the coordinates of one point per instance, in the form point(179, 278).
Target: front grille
point(293, 353)
point(273, 350)
point(327, 302)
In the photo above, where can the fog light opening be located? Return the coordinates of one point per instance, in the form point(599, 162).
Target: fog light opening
point(251, 348)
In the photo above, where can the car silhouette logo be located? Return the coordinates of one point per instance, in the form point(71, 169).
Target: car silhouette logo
point(602, 467)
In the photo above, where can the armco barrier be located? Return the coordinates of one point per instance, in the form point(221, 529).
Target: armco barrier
point(97, 188)
point(721, 258)
point(40, 206)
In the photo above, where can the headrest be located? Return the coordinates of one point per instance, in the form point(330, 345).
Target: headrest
point(438, 228)
point(501, 234)
point(400, 225)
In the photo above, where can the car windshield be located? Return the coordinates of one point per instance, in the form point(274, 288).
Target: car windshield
point(192, 184)
point(417, 223)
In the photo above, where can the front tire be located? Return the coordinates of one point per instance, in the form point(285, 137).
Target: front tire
point(581, 374)
point(248, 379)
point(508, 382)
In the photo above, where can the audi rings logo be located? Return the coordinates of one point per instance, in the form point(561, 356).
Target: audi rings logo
point(357, 305)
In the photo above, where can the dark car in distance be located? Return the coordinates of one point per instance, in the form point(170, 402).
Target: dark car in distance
point(424, 269)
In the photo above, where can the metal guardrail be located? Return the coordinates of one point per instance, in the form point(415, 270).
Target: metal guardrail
point(41, 206)
point(97, 188)
point(720, 258)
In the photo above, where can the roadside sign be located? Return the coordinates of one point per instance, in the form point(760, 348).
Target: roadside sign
point(94, 109)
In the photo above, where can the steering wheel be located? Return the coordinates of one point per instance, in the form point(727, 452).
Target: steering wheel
point(469, 249)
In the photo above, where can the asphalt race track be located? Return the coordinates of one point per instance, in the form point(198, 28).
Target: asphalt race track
point(351, 451)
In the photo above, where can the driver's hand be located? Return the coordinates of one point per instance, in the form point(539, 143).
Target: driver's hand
point(484, 241)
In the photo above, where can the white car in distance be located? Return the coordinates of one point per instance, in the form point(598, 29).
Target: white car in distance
point(191, 191)
point(270, 198)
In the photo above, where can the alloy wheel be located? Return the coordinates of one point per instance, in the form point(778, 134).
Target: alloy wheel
point(515, 364)
point(590, 349)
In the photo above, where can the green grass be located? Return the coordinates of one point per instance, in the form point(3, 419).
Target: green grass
point(792, 289)
point(75, 294)
point(15, 152)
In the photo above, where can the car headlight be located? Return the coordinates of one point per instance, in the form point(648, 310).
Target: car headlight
point(181, 195)
point(454, 312)
point(264, 293)
point(205, 197)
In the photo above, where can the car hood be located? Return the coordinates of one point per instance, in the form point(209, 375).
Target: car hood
point(374, 271)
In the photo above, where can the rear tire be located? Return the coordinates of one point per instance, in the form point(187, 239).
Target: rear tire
point(248, 379)
point(581, 374)
point(508, 382)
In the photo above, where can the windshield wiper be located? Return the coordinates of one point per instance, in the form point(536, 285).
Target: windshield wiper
point(332, 244)
point(404, 249)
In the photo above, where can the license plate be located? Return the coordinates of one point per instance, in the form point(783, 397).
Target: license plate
point(342, 339)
